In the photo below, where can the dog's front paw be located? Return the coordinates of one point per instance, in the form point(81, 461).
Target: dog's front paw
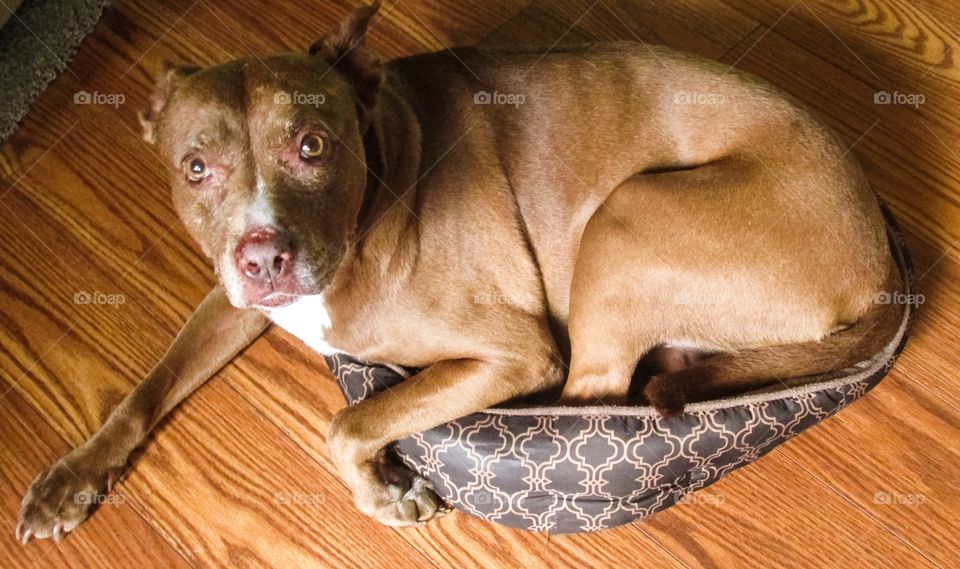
point(405, 498)
point(60, 499)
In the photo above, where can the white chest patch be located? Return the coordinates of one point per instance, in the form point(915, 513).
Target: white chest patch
point(307, 319)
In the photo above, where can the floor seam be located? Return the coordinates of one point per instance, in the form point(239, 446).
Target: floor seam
point(149, 521)
point(836, 490)
point(306, 451)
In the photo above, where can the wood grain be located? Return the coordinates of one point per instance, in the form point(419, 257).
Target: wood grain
point(240, 476)
point(708, 28)
point(774, 514)
point(116, 534)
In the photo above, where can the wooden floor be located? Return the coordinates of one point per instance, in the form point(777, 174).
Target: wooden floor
point(240, 475)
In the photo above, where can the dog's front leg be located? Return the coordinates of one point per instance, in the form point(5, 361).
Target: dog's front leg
point(61, 497)
point(443, 392)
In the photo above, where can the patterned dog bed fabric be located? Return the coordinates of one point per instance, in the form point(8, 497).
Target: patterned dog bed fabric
point(561, 470)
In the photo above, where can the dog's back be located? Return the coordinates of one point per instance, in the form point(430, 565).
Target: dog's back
point(561, 132)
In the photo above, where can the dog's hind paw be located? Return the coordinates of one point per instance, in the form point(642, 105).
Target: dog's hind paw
point(665, 395)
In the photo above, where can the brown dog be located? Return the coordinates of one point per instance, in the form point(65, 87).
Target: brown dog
point(488, 217)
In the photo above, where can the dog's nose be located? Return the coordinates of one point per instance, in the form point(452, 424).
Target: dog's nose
point(263, 256)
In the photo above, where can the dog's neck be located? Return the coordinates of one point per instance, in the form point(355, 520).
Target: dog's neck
point(386, 225)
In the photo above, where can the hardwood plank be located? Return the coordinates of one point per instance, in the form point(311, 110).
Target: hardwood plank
point(929, 362)
point(536, 27)
point(226, 486)
point(708, 28)
point(892, 455)
point(773, 514)
point(52, 339)
point(211, 32)
point(886, 42)
point(439, 25)
point(112, 538)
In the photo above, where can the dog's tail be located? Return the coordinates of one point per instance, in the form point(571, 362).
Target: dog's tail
point(726, 374)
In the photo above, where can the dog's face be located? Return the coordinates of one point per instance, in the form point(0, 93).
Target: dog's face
point(267, 160)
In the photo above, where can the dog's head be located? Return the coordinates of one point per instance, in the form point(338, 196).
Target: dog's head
point(268, 160)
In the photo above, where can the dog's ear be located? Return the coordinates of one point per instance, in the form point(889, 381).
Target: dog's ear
point(345, 49)
point(164, 86)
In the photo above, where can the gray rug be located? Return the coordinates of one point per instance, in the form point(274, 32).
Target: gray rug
point(36, 43)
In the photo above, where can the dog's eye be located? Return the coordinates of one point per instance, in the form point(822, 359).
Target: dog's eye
point(311, 146)
point(197, 170)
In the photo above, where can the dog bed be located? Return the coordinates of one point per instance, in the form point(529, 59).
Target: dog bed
point(575, 469)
